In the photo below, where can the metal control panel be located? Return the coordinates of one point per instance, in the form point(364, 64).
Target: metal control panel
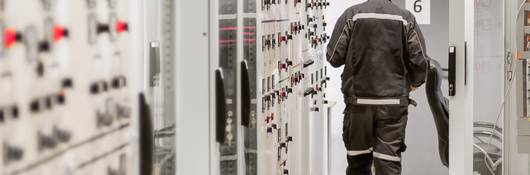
point(68, 86)
point(292, 80)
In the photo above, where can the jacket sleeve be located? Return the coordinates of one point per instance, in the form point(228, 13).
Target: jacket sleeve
point(417, 61)
point(338, 45)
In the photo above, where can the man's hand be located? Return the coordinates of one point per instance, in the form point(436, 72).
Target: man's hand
point(412, 88)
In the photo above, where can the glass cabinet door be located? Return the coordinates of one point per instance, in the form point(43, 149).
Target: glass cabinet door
point(228, 51)
point(488, 87)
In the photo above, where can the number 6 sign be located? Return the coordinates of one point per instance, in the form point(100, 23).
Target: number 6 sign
point(421, 9)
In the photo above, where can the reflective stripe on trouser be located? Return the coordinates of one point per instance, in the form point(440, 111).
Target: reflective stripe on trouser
point(374, 133)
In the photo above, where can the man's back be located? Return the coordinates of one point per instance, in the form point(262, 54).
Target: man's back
point(384, 56)
point(382, 51)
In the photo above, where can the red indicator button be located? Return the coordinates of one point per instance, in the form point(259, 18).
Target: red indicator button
point(59, 33)
point(121, 26)
point(283, 66)
point(10, 37)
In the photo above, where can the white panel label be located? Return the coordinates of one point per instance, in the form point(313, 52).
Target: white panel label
point(421, 9)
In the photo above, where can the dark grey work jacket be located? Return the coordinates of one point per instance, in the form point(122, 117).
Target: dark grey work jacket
point(383, 51)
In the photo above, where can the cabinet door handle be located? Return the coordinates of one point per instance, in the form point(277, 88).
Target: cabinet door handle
point(220, 97)
point(146, 136)
point(452, 71)
point(245, 94)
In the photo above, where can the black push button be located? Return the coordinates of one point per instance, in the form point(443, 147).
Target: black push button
point(12, 153)
point(103, 119)
point(46, 142)
point(94, 88)
point(2, 115)
point(34, 106)
point(68, 83)
point(61, 135)
point(60, 98)
point(14, 112)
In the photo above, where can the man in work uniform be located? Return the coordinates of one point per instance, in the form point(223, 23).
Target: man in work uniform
point(383, 51)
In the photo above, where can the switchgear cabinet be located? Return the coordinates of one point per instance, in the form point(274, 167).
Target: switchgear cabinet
point(69, 76)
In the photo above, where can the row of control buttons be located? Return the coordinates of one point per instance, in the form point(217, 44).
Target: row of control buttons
point(10, 112)
point(50, 101)
point(49, 141)
point(54, 33)
point(296, 27)
point(314, 4)
point(57, 136)
point(112, 111)
point(117, 82)
point(11, 153)
point(272, 41)
point(317, 4)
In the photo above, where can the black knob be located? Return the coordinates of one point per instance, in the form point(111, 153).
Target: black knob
point(289, 63)
point(44, 46)
point(103, 119)
point(123, 111)
point(60, 98)
point(46, 141)
point(94, 88)
point(68, 83)
point(34, 106)
point(62, 135)
point(309, 91)
point(102, 28)
point(269, 130)
point(12, 153)
point(2, 115)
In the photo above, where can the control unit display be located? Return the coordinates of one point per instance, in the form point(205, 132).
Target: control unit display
point(68, 87)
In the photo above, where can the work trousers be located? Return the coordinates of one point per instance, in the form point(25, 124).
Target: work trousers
point(374, 134)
